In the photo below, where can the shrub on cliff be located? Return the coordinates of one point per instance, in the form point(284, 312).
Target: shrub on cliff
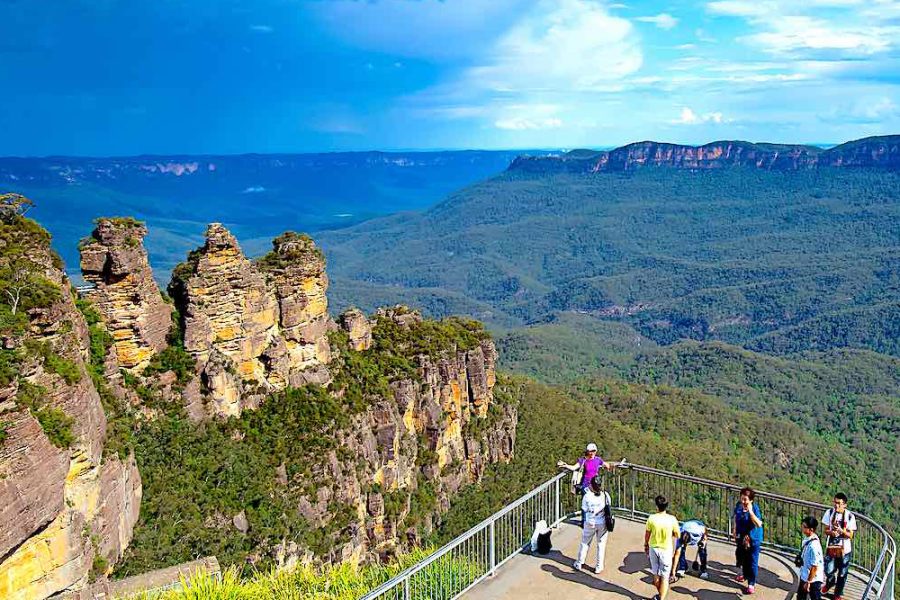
point(56, 424)
point(339, 582)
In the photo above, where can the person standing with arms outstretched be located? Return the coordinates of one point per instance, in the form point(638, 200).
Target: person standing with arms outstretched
point(584, 470)
point(840, 525)
point(593, 506)
point(748, 535)
point(659, 544)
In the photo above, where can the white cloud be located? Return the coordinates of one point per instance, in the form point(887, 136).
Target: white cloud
point(689, 117)
point(254, 189)
point(261, 28)
point(791, 28)
point(520, 124)
point(863, 111)
point(565, 46)
point(662, 20)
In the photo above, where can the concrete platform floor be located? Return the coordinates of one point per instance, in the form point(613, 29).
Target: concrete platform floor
point(627, 573)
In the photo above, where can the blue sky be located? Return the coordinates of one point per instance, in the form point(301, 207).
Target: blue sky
point(115, 77)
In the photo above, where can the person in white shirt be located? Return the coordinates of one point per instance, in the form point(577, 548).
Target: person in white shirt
point(840, 526)
point(693, 533)
point(593, 504)
point(812, 562)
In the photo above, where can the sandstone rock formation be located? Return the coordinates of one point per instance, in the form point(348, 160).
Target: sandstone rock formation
point(253, 328)
point(358, 328)
point(296, 270)
point(61, 501)
point(873, 152)
point(411, 441)
point(431, 436)
point(115, 261)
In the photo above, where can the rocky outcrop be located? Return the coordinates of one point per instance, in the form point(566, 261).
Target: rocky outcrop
point(358, 328)
point(114, 260)
point(875, 152)
point(429, 439)
point(62, 501)
point(253, 328)
point(296, 270)
point(32, 476)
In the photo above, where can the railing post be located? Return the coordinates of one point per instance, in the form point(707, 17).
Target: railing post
point(493, 550)
point(632, 492)
point(557, 512)
point(728, 515)
point(406, 589)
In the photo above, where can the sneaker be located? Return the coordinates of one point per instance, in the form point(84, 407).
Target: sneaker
point(739, 578)
point(598, 570)
point(576, 565)
point(838, 598)
point(751, 589)
point(704, 575)
point(825, 588)
point(679, 573)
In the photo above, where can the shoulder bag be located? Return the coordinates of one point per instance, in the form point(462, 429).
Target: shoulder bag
point(608, 514)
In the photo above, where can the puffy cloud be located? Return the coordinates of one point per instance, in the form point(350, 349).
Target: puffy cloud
point(566, 45)
point(816, 26)
point(662, 20)
point(689, 117)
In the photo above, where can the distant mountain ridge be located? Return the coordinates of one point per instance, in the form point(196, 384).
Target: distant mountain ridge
point(879, 152)
point(256, 195)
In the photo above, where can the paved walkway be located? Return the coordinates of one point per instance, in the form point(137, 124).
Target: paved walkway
point(627, 573)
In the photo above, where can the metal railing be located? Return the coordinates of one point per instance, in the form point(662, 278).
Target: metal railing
point(479, 552)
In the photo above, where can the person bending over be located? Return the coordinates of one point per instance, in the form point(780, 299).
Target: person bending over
point(693, 533)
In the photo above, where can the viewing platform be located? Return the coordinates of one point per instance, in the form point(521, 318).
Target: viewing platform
point(492, 561)
point(627, 572)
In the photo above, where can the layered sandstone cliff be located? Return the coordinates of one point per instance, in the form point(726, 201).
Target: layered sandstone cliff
point(114, 260)
point(873, 152)
point(253, 328)
point(420, 415)
point(65, 507)
point(429, 437)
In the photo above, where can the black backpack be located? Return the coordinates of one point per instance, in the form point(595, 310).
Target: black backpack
point(608, 514)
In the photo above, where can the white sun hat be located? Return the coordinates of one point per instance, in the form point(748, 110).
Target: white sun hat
point(592, 447)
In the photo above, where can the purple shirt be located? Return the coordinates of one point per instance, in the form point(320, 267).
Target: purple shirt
point(591, 468)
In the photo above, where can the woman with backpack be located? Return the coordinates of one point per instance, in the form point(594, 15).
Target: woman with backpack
point(597, 510)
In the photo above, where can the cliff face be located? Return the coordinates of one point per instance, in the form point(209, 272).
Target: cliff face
point(253, 329)
point(115, 261)
point(410, 412)
point(65, 507)
point(430, 437)
point(876, 152)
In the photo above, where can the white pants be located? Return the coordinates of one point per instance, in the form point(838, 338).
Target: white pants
point(587, 534)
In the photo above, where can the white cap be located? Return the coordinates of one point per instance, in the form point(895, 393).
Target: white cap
point(592, 447)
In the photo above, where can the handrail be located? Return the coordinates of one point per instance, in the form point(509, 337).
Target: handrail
point(482, 549)
point(449, 546)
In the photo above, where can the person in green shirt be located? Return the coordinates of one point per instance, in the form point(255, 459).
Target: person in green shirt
point(659, 544)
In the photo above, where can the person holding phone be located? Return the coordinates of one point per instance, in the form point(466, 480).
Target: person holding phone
point(748, 535)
